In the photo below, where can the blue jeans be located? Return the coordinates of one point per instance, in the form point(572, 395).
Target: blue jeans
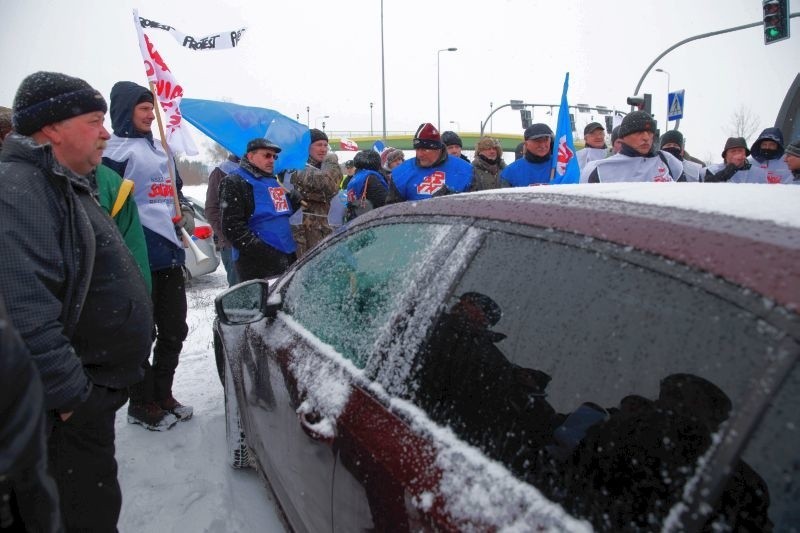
point(230, 269)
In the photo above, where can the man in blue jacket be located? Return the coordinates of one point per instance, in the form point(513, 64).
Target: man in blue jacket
point(534, 167)
point(134, 154)
point(433, 172)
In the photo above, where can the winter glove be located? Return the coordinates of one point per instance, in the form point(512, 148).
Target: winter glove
point(187, 219)
point(296, 199)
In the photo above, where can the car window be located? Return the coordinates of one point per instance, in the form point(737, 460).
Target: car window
point(597, 380)
point(346, 293)
point(774, 453)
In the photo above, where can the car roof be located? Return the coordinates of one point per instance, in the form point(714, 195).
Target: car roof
point(747, 234)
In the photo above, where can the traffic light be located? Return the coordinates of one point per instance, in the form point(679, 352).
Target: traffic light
point(776, 20)
point(642, 103)
point(525, 115)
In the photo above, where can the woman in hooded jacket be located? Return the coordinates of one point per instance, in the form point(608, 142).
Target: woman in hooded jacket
point(487, 164)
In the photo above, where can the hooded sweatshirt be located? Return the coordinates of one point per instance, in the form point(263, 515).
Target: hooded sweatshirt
point(766, 166)
point(135, 155)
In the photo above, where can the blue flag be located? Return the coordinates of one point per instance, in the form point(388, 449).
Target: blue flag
point(233, 126)
point(378, 146)
point(565, 164)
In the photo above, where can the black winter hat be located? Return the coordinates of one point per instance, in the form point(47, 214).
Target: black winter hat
point(793, 149)
point(592, 126)
point(260, 142)
point(635, 122)
point(317, 135)
point(534, 131)
point(735, 142)
point(614, 134)
point(450, 138)
point(672, 136)
point(368, 160)
point(48, 97)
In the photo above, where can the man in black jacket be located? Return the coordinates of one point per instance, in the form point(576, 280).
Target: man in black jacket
point(255, 214)
point(28, 495)
point(72, 287)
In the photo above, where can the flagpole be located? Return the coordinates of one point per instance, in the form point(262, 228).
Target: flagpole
point(170, 160)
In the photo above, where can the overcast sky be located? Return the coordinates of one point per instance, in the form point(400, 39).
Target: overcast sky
point(327, 56)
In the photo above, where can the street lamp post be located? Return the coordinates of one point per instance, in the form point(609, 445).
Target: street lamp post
point(370, 118)
point(308, 117)
point(316, 121)
point(438, 91)
point(491, 118)
point(661, 70)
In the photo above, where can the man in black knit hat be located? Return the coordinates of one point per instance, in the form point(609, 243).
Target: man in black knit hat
point(673, 142)
point(637, 159)
point(72, 288)
point(792, 158)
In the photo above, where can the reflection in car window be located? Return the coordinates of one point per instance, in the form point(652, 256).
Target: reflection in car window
point(345, 294)
point(599, 381)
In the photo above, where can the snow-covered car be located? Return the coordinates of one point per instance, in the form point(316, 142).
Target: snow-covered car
point(203, 238)
point(567, 358)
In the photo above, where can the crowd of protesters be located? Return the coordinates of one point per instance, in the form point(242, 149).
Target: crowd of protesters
point(93, 281)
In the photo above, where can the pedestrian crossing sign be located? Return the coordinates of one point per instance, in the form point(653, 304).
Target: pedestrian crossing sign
point(675, 103)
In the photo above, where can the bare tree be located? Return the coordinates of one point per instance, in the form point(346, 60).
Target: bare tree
point(216, 151)
point(743, 123)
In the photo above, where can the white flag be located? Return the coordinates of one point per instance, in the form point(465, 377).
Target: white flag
point(168, 92)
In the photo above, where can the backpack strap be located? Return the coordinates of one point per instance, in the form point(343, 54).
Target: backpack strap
point(125, 189)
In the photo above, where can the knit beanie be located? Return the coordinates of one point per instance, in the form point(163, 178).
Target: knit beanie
point(450, 138)
point(614, 134)
point(318, 135)
point(427, 136)
point(793, 149)
point(635, 122)
point(48, 97)
point(367, 159)
point(672, 136)
point(735, 142)
point(389, 156)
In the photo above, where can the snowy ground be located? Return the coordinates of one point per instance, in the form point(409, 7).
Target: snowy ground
point(178, 480)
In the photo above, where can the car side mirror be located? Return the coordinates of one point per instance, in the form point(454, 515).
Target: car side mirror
point(246, 303)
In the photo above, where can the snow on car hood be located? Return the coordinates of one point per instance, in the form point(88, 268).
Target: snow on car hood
point(771, 203)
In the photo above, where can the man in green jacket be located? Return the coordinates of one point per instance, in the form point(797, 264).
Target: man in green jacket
point(118, 202)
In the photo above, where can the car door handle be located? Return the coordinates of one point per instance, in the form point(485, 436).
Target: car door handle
point(317, 427)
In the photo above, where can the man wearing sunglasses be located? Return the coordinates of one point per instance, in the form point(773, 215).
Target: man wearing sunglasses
point(255, 214)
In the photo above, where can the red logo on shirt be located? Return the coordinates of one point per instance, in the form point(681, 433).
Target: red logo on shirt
point(431, 183)
point(278, 195)
point(662, 174)
point(773, 178)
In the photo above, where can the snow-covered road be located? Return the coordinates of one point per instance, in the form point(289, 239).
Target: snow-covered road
point(178, 480)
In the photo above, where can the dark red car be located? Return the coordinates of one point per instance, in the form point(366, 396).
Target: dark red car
point(612, 358)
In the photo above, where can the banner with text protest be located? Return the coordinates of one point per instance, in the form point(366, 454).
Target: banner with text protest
point(168, 92)
point(215, 41)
